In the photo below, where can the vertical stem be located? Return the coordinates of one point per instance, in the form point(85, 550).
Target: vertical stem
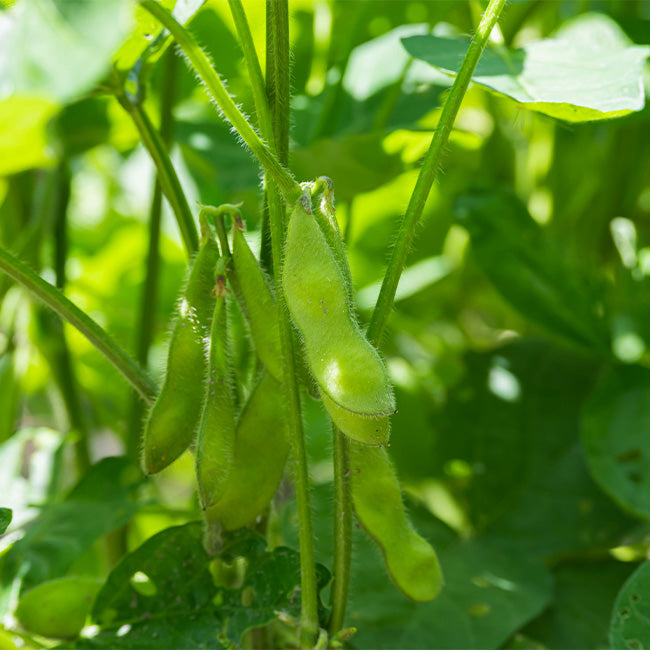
point(278, 13)
point(309, 594)
point(430, 166)
point(167, 176)
point(149, 293)
point(278, 27)
point(342, 532)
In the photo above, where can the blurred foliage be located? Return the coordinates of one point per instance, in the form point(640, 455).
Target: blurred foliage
point(519, 345)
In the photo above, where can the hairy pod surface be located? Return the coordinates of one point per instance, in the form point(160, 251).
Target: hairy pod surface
point(346, 367)
point(411, 561)
point(175, 415)
point(260, 305)
point(215, 444)
point(261, 450)
point(368, 429)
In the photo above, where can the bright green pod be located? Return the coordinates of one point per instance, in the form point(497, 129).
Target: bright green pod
point(411, 561)
point(368, 429)
point(259, 303)
point(175, 415)
point(215, 442)
point(261, 450)
point(346, 367)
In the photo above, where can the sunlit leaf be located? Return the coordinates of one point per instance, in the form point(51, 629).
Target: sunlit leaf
point(590, 70)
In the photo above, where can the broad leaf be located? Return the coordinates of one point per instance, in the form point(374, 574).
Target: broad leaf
point(615, 427)
point(524, 462)
point(630, 627)
point(535, 273)
point(102, 501)
point(169, 594)
point(579, 615)
point(58, 49)
point(590, 70)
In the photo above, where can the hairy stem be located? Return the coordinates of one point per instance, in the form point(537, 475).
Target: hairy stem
point(429, 170)
point(69, 312)
point(342, 532)
point(309, 593)
point(169, 182)
point(277, 23)
point(148, 298)
point(254, 69)
point(285, 181)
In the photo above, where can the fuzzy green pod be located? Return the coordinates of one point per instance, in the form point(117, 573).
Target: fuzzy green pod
point(261, 450)
point(368, 429)
point(215, 442)
point(346, 367)
point(259, 303)
point(175, 415)
point(411, 561)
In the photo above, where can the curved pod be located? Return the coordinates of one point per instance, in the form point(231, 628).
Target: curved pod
point(174, 417)
point(261, 450)
point(260, 305)
point(215, 443)
point(411, 561)
point(345, 365)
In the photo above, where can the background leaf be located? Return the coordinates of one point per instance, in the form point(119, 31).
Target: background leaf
point(629, 627)
point(614, 433)
point(590, 70)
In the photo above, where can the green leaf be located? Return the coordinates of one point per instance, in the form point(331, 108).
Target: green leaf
point(630, 626)
point(23, 133)
point(590, 70)
point(5, 519)
point(102, 501)
point(169, 594)
point(535, 273)
point(579, 615)
point(614, 432)
point(51, 51)
point(525, 465)
point(58, 608)
point(58, 49)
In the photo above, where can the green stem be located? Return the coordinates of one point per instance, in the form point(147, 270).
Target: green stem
point(149, 293)
point(285, 181)
point(430, 166)
point(254, 69)
point(279, 66)
point(167, 176)
point(69, 312)
point(309, 592)
point(342, 532)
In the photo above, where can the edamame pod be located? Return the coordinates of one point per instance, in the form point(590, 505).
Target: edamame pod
point(259, 302)
point(346, 367)
point(216, 437)
point(261, 450)
point(411, 561)
point(175, 415)
point(368, 429)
